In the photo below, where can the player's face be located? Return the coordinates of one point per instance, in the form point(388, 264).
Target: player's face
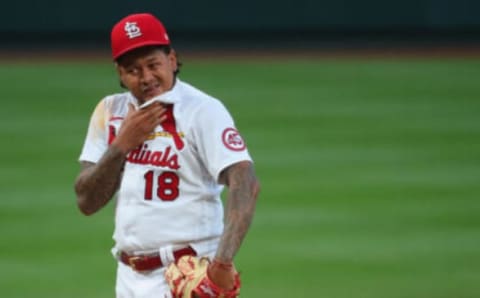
point(148, 74)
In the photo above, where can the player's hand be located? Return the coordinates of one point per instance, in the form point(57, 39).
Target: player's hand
point(222, 274)
point(138, 125)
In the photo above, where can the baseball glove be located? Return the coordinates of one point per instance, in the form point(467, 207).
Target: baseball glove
point(188, 278)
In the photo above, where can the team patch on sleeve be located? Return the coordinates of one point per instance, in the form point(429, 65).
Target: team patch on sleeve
point(233, 140)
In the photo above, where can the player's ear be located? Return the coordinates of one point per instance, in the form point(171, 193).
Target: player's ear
point(119, 72)
point(172, 58)
point(117, 68)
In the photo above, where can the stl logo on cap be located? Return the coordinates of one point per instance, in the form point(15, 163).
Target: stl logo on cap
point(132, 30)
point(135, 31)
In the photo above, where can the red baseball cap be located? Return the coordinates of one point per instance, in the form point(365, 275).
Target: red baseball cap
point(135, 31)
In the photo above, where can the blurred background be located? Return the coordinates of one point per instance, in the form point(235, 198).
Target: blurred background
point(362, 119)
point(248, 25)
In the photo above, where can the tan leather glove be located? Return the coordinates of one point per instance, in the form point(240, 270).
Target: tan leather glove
point(188, 278)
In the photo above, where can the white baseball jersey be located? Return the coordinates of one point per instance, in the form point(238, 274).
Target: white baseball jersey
point(169, 193)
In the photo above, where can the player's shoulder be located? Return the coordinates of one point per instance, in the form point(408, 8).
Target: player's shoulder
point(117, 103)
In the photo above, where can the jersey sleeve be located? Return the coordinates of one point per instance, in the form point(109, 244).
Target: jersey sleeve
point(219, 143)
point(96, 142)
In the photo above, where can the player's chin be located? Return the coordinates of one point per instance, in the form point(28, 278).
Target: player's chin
point(151, 93)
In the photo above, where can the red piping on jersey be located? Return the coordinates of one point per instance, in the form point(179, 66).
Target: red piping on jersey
point(169, 126)
point(111, 134)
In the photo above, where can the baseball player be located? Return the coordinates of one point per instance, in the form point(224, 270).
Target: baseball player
point(166, 149)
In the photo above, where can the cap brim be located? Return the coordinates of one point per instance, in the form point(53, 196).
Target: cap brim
point(139, 45)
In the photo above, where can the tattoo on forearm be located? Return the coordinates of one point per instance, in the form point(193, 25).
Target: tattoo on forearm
point(97, 183)
point(243, 190)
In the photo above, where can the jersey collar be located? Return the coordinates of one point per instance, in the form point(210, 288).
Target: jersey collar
point(172, 96)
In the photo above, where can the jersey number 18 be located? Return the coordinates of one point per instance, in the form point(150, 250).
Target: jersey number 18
point(167, 186)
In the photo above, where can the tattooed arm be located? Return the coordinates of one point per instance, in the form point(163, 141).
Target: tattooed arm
point(97, 183)
point(243, 188)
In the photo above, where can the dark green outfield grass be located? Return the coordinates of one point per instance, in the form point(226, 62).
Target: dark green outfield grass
point(370, 171)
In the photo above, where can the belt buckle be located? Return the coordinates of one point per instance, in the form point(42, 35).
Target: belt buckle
point(132, 261)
